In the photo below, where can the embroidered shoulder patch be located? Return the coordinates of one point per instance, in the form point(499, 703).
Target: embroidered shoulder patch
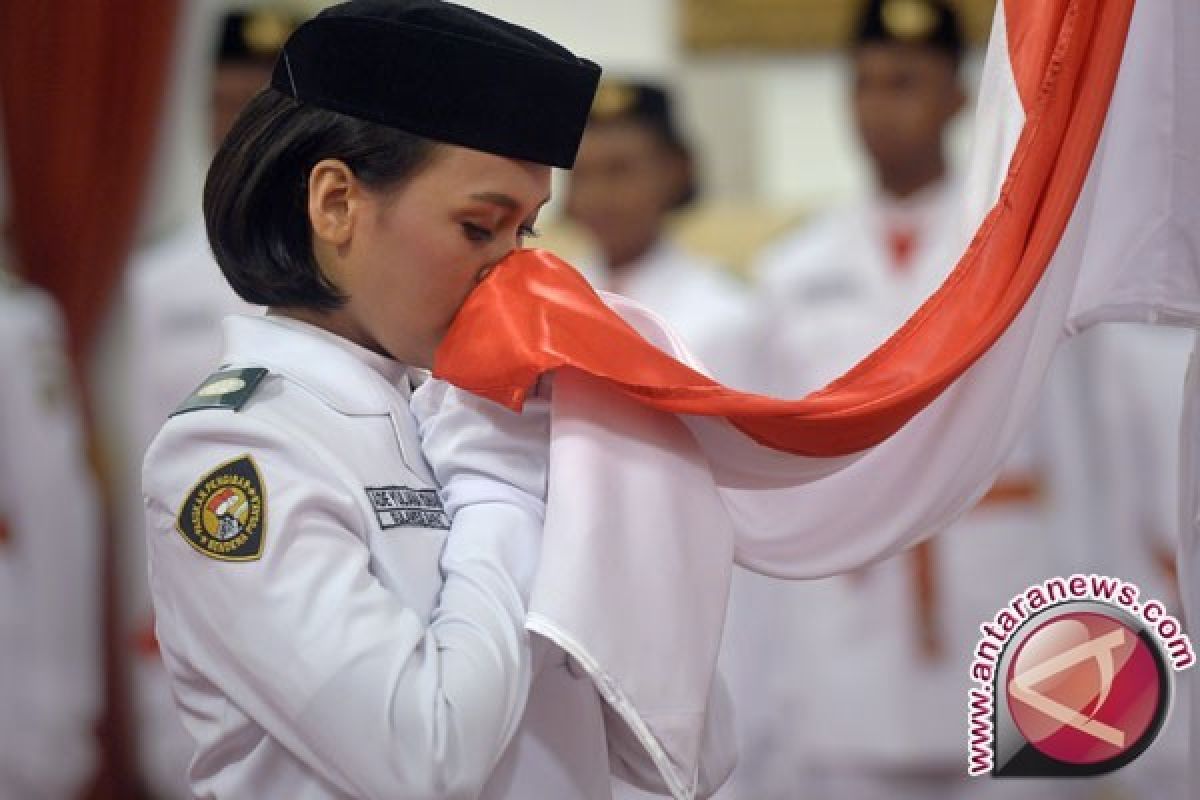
point(402, 507)
point(229, 388)
point(225, 514)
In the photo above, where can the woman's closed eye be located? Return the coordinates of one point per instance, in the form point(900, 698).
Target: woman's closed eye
point(481, 235)
point(477, 233)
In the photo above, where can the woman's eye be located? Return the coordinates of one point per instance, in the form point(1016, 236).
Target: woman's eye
point(476, 233)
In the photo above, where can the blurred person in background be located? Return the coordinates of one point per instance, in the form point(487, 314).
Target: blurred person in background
point(1137, 375)
point(177, 294)
point(887, 250)
point(634, 170)
point(829, 293)
point(872, 702)
point(50, 621)
point(177, 299)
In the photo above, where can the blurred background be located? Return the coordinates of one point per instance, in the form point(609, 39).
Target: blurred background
point(773, 176)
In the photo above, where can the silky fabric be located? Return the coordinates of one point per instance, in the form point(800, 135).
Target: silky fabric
point(536, 314)
point(712, 311)
point(1040, 125)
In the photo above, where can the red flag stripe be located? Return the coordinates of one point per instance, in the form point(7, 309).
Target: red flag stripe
point(535, 314)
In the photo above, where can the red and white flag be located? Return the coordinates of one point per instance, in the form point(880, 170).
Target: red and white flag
point(1083, 206)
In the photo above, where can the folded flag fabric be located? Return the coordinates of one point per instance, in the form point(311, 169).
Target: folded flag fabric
point(1065, 59)
point(1083, 206)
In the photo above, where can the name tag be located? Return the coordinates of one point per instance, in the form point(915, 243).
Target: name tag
point(403, 507)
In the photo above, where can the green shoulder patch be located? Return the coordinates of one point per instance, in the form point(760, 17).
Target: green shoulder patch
point(229, 388)
point(225, 514)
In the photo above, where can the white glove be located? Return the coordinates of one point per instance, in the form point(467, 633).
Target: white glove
point(491, 465)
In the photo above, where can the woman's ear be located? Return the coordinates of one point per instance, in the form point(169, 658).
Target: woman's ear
point(332, 201)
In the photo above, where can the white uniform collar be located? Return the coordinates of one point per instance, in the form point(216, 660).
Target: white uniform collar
point(348, 377)
point(922, 209)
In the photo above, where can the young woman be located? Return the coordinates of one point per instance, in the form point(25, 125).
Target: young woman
point(334, 626)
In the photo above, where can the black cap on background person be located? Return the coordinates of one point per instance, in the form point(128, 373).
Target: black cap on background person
point(928, 24)
point(634, 168)
point(255, 36)
point(651, 106)
point(905, 57)
point(249, 43)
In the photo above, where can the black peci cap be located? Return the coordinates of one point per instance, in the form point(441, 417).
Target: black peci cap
point(646, 104)
point(445, 72)
point(254, 37)
point(635, 100)
point(925, 23)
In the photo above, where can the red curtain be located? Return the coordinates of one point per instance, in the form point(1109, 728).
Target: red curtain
point(81, 94)
point(81, 89)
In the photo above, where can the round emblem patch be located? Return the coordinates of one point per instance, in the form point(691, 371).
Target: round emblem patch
point(224, 515)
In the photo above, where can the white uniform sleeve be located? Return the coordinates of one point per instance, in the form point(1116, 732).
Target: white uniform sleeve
point(47, 497)
point(308, 643)
point(481, 452)
point(474, 446)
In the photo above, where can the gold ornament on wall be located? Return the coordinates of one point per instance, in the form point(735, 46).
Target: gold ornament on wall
point(794, 25)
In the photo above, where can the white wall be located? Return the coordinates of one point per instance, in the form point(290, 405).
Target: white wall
point(622, 35)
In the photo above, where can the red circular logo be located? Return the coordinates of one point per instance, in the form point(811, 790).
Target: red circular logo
point(1084, 688)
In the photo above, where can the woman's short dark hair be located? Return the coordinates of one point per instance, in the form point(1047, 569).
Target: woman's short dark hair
point(256, 194)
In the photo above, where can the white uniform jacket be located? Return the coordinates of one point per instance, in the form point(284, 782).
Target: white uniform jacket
point(822, 287)
point(837, 297)
point(835, 292)
point(49, 578)
point(326, 636)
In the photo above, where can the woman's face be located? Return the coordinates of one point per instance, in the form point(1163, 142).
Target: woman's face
point(408, 258)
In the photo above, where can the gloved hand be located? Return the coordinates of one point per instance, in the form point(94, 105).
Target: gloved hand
point(491, 465)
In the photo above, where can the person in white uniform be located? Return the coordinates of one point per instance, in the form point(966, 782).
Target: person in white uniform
point(880, 710)
point(177, 298)
point(873, 705)
point(634, 170)
point(50, 678)
point(335, 624)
